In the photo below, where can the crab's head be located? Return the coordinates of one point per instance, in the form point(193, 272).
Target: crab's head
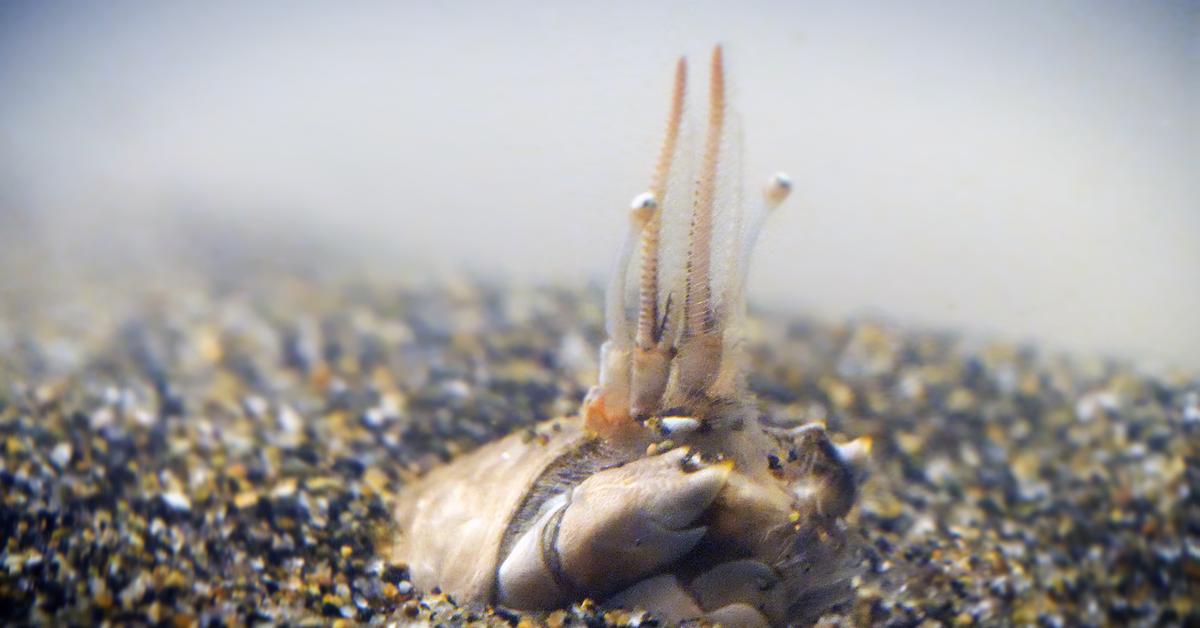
point(676, 299)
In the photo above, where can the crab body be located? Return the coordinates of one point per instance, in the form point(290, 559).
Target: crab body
point(668, 492)
point(539, 522)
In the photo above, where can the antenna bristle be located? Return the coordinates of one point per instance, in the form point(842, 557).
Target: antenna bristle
point(648, 286)
point(697, 302)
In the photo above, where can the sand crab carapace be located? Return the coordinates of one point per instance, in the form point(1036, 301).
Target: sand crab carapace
point(667, 492)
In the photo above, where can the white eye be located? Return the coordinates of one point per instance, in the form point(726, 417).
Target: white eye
point(645, 200)
point(778, 188)
point(781, 180)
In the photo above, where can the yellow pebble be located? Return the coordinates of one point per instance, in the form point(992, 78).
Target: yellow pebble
point(245, 499)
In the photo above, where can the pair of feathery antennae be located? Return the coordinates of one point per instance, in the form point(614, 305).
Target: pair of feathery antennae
point(698, 296)
point(687, 348)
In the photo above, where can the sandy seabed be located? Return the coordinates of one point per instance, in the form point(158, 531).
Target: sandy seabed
point(222, 448)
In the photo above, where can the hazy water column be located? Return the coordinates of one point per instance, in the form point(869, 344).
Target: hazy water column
point(1025, 168)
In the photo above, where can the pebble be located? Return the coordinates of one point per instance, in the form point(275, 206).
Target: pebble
point(177, 501)
point(61, 455)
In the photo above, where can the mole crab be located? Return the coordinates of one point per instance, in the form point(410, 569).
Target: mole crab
point(668, 492)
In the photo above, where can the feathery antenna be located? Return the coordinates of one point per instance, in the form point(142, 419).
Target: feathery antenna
point(648, 328)
point(697, 317)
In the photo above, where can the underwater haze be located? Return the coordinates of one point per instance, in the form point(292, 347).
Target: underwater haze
point(1022, 169)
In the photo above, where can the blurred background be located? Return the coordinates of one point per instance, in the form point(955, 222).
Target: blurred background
point(1025, 169)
